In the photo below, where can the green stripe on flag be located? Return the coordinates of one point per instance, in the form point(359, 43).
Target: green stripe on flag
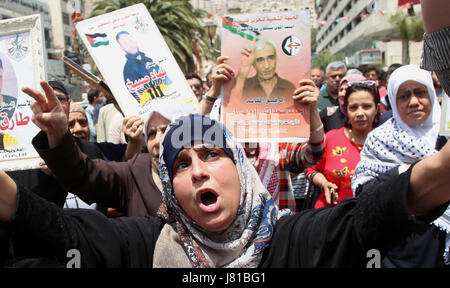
point(234, 30)
point(100, 43)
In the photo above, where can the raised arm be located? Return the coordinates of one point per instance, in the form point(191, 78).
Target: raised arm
point(311, 152)
point(93, 180)
point(308, 94)
point(48, 113)
point(435, 15)
point(133, 127)
point(429, 183)
point(54, 232)
point(226, 74)
point(349, 234)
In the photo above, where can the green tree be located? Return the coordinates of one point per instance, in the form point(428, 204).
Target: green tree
point(323, 59)
point(408, 28)
point(314, 32)
point(177, 20)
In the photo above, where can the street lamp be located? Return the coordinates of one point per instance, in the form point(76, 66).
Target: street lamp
point(211, 28)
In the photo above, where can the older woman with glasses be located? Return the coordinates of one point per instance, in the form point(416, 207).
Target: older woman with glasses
point(333, 174)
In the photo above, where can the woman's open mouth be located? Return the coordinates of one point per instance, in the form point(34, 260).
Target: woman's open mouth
point(209, 200)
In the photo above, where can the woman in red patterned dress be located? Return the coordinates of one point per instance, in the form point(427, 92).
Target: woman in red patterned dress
point(333, 174)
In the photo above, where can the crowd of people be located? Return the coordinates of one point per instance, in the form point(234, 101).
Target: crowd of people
point(154, 199)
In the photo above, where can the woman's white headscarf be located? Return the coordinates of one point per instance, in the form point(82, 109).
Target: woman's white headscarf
point(429, 130)
point(168, 109)
point(395, 143)
point(183, 243)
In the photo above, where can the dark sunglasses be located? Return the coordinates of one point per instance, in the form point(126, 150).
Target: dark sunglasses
point(196, 86)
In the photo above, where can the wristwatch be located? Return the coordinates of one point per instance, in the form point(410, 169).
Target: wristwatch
point(209, 98)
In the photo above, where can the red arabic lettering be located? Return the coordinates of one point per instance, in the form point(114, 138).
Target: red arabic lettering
point(133, 86)
point(23, 121)
point(155, 75)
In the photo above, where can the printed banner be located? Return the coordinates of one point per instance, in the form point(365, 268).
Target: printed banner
point(135, 61)
point(271, 53)
point(16, 127)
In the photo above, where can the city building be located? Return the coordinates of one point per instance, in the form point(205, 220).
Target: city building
point(19, 8)
point(353, 25)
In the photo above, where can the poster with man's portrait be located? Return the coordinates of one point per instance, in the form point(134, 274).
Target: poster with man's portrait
point(22, 63)
point(271, 53)
point(135, 61)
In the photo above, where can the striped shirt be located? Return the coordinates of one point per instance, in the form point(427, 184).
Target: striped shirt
point(295, 158)
point(436, 50)
point(436, 55)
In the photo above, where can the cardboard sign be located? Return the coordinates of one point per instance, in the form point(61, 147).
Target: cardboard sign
point(22, 64)
point(258, 105)
point(135, 61)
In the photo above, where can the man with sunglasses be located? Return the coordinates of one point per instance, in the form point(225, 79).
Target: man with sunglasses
point(196, 84)
point(334, 73)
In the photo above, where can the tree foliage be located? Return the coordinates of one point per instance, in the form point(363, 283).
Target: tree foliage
point(323, 59)
point(409, 28)
point(178, 22)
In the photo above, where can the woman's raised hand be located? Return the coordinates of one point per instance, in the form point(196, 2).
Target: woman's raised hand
point(48, 114)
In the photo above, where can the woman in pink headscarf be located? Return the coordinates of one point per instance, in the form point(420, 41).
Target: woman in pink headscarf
point(332, 117)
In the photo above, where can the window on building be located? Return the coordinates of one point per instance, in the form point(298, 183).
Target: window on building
point(66, 18)
point(48, 39)
point(67, 41)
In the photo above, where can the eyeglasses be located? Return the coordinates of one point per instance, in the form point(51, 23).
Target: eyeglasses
point(196, 86)
point(365, 83)
point(63, 99)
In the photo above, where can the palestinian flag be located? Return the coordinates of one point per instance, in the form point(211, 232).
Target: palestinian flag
point(239, 28)
point(97, 39)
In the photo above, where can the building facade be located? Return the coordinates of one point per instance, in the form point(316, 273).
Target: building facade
point(19, 8)
point(343, 24)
